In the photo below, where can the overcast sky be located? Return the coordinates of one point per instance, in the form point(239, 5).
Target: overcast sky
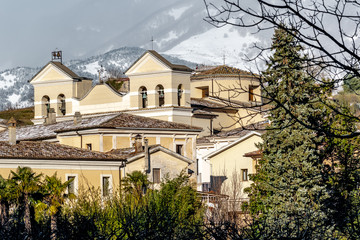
point(30, 30)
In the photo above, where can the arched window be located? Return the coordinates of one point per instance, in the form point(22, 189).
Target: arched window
point(61, 105)
point(160, 95)
point(179, 94)
point(143, 97)
point(45, 106)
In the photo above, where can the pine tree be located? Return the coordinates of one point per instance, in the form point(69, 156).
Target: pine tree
point(289, 193)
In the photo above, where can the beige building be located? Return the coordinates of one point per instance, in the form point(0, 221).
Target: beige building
point(122, 134)
point(224, 160)
point(84, 166)
point(166, 106)
point(221, 97)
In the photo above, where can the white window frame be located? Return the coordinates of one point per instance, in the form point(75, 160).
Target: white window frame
point(110, 184)
point(76, 182)
point(160, 172)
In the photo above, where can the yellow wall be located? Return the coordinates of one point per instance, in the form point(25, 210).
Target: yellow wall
point(203, 123)
point(101, 94)
point(94, 140)
point(122, 142)
point(71, 141)
point(149, 72)
point(85, 177)
point(224, 88)
point(82, 88)
point(75, 141)
point(107, 143)
point(168, 165)
point(167, 143)
point(231, 161)
point(52, 91)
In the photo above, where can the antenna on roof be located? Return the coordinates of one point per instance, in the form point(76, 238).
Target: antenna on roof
point(224, 58)
point(152, 43)
point(56, 55)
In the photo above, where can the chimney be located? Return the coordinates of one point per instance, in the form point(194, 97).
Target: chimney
point(147, 157)
point(77, 118)
point(51, 117)
point(12, 131)
point(138, 144)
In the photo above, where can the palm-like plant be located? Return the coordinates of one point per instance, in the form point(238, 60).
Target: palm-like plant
point(135, 183)
point(54, 198)
point(6, 197)
point(26, 183)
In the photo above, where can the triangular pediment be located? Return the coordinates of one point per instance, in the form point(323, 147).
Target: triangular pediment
point(50, 73)
point(148, 63)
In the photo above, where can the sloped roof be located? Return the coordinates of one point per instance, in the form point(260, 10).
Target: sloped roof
point(202, 112)
point(41, 132)
point(258, 127)
point(46, 150)
point(63, 68)
point(207, 103)
point(228, 146)
point(164, 60)
point(131, 155)
point(254, 154)
point(220, 72)
point(128, 152)
point(117, 121)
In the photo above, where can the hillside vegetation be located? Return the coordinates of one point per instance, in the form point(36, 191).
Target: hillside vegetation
point(23, 116)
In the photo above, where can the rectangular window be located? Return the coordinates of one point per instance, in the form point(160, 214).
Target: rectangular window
point(88, 146)
point(106, 186)
point(244, 174)
point(71, 187)
point(251, 94)
point(156, 175)
point(205, 92)
point(179, 148)
point(205, 187)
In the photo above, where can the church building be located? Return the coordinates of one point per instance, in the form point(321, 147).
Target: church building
point(166, 109)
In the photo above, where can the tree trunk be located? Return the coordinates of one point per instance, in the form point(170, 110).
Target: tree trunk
point(4, 207)
point(27, 219)
point(2, 214)
point(53, 226)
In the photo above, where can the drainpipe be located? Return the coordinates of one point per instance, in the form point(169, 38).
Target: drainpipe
point(147, 156)
point(81, 141)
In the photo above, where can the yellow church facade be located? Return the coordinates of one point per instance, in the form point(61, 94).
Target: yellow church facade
point(166, 108)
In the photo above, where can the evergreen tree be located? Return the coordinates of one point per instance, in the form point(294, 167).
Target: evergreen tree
point(289, 194)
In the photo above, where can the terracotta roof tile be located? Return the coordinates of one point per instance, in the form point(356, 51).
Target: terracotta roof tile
point(120, 120)
point(40, 131)
point(47, 150)
point(125, 120)
point(207, 103)
point(221, 71)
point(254, 154)
point(237, 132)
point(128, 152)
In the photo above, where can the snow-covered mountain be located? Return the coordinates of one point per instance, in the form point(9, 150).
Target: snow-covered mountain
point(84, 28)
point(15, 91)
